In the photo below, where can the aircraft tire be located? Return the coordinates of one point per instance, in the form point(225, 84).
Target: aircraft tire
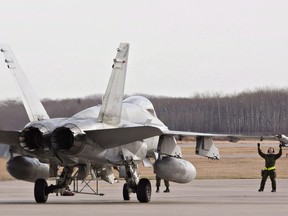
point(144, 190)
point(126, 195)
point(40, 191)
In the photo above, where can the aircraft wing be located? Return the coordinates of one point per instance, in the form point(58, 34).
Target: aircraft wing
point(9, 137)
point(204, 141)
point(229, 137)
point(109, 138)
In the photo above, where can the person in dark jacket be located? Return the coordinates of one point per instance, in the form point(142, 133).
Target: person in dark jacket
point(270, 160)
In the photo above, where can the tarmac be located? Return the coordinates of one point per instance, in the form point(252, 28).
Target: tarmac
point(199, 197)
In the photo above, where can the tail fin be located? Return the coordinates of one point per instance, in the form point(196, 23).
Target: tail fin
point(32, 104)
point(111, 108)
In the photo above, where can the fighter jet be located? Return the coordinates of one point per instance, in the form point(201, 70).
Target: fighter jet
point(117, 135)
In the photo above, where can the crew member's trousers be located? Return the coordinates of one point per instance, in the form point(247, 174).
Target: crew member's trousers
point(158, 182)
point(272, 175)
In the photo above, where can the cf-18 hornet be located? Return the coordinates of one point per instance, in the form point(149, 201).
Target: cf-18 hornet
point(117, 135)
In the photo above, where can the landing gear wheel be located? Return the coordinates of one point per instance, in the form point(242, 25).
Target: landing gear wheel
point(126, 194)
point(144, 190)
point(41, 191)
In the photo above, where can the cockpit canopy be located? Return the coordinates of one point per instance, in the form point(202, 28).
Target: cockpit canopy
point(143, 102)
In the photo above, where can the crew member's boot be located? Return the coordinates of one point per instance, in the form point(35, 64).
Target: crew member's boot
point(167, 190)
point(157, 190)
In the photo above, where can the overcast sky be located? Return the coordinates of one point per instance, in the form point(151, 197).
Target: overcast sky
point(177, 48)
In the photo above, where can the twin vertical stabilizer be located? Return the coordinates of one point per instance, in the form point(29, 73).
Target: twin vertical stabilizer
point(111, 108)
point(32, 103)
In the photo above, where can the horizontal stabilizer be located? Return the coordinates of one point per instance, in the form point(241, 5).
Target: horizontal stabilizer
point(9, 137)
point(109, 138)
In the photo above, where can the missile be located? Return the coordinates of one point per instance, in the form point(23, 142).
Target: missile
point(282, 138)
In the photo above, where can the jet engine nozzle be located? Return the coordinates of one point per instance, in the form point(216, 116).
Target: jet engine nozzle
point(175, 169)
point(32, 138)
point(67, 138)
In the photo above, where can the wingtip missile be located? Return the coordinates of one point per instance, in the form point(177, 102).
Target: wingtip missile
point(282, 138)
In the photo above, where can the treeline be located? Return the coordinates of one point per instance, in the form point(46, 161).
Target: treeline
point(263, 111)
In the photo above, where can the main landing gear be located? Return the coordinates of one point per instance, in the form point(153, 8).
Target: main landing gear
point(142, 189)
point(42, 190)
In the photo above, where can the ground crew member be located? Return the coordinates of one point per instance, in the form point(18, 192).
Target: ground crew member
point(270, 160)
point(158, 183)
